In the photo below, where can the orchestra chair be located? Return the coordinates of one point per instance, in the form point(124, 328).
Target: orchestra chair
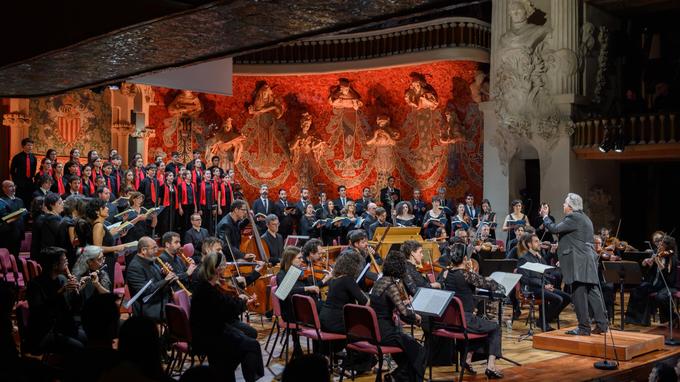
point(25, 249)
point(34, 268)
point(182, 299)
point(118, 279)
point(179, 331)
point(188, 250)
point(10, 269)
point(278, 323)
point(22, 314)
point(309, 325)
point(24, 270)
point(453, 325)
point(363, 335)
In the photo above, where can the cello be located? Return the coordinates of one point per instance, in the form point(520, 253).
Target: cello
point(260, 288)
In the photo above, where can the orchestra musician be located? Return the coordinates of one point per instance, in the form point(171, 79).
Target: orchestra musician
point(484, 244)
point(87, 270)
point(464, 282)
point(387, 297)
point(230, 227)
point(313, 255)
point(555, 299)
point(511, 245)
point(369, 216)
point(413, 253)
point(273, 238)
point(216, 327)
point(171, 256)
point(662, 265)
point(381, 221)
point(608, 289)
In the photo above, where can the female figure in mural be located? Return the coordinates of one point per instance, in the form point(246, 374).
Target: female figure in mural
point(306, 150)
point(383, 141)
point(265, 131)
point(346, 124)
point(227, 144)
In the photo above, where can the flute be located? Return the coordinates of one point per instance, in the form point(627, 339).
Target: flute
point(168, 270)
point(187, 261)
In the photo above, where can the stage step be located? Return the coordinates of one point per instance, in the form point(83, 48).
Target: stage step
point(627, 344)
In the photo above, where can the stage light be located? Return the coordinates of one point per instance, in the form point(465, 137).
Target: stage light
point(607, 142)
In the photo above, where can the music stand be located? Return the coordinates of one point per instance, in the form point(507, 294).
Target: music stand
point(635, 256)
point(489, 266)
point(622, 273)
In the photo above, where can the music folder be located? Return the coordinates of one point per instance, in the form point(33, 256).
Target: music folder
point(536, 267)
point(138, 295)
point(508, 280)
point(288, 283)
point(431, 302)
point(363, 273)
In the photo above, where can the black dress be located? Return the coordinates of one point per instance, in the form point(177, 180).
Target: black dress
point(287, 307)
point(64, 239)
point(306, 228)
point(385, 299)
point(168, 219)
point(110, 258)
point(641, 306)
point(341, 291)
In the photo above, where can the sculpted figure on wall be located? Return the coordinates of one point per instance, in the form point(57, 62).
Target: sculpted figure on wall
point(306, 151)
point(184, 125)
point(384, 140)
point(227, 143)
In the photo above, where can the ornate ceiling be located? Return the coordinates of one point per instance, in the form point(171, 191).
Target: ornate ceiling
point(164, 38)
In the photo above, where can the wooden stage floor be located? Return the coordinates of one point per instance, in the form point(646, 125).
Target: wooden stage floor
point(537, 365)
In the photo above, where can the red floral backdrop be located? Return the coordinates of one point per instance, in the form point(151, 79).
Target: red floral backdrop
point(458, 167)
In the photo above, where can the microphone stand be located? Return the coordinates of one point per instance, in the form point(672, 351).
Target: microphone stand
point(670, 341)
point(605, 364)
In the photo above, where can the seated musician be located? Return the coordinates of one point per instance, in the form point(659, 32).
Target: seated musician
point(292, 257)
point(381, 221)
point(460, 236)
point(510, 250)
point(171, 256)
point(608, 289)
point(230, 227)
point(464, 282)
point(216, 327)
point(484, 245)
point(413, 253)
point(312, 254)
point(555, 299)
point(273, 238)
point(88, 272)
point(359, 241)
point(143, 268)
point(196, 234)
point(640, 304)
point(212, 244)
point(387, 296)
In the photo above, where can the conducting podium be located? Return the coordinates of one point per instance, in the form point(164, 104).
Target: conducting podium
point(396, 236)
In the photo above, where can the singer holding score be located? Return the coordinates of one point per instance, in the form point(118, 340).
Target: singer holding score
point(578, 262)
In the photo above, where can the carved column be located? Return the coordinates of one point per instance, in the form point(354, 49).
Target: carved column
point(564, 20)
point(19, 124)
point(142, 141)
point(120, 138)
point(499, 24)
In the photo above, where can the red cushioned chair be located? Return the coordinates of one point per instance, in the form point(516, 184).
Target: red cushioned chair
point(453, 325)
point(118, 280)
point(24, 270)
point(9, 265)
point(25, 249)
point(307, 320)
point(188, 250)
point(182, 299)
point(363, 335)
point(279, 324)
point(34, 269)
point(179, 331)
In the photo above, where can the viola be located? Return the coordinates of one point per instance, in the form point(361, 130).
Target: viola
point(429, 267)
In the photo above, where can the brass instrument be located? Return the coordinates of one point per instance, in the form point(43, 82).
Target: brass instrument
point(167, 269)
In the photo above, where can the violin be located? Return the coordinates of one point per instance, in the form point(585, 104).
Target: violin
point(429, 267)
point(317, 271)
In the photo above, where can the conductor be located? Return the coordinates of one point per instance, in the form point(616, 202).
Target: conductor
point(578, 263)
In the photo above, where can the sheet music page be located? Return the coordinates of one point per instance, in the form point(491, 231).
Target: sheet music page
point(138, 295)
point(508, 280)
point(288, 282)
point(431, 301)
point(536, 267)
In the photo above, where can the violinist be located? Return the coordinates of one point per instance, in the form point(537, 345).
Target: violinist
point(387, 296)
point(312, 253)
point(230, 228)
point(171, 256)
point(413, 253)
point(662, 263)
point(555, 299)
point(215, 325)
point(292, 257)
point(540, 228)
point(273, 238)
point(460, 280)
point(511, 246)
point(484, 244)
point(460, 236)
point(381, 221)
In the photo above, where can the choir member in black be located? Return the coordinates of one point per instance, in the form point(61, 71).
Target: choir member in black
point(471, 210)
point(73, 187)
point(460, 219)
point(46, 233)
point(555, 299)
point(143, 223)
point(207, 202)
point(341, 202)
point(37, 213)
point(195, 161)
point(143, 268)
point(362, 203)
point(111, 182)
point(404, 216)
point(116, 170)
point(446, 205)
point(22, 169)
point(390, 196)
point(292, 257)
point(322, 206)
point(197, 169)
point(174, 165)
point(87, 270)
point(72, 169)
point(74, 206)
point(433, 219)
point(350, 213)
point(43, 184)
point(223, 195)
point(11, 231)
point(514, 219)
point(149, 187)
point(51, 154)
point(486, 215)
point(369, 216)
point(188, 201)
point(74, 156)
point(167, 219)
point(381, 221)
point(230, 227)
point(50, 296)
point(330, 231)
point(304, 201)
point(87, 184)
point(170, 255)
point(387, 296)
point(45, 169)
point(60, 181)
point(307, 227)
point(464, 282)
point(419, 207)
point(286, 212)
point(262, 207)
point(216, 328)
point(542, 233)
point(196, 234)
point(413, 253)
point(662, 266)
point(215, 161)
point(139, 171)
point(273, 239)
point(97, 212)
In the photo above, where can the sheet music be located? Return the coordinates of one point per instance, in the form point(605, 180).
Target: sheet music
point(363, 272)
point(138, 295)
point(283, 290)
point(508, 280)
point(536, 267)
point(431, 302)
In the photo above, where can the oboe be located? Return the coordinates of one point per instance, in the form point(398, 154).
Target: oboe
point(167, 269)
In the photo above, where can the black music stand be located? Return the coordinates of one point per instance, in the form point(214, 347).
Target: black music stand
point(489, 266)
point(635, 256)
point(622, 273)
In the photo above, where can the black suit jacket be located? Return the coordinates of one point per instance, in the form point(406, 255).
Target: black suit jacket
point(139, 272)
point(530, 280)
point(286, 221)
point(196, 238)
point(18, 169)
point(39, 193)
point(145, 188)
point(362, 205)
point(259, 208)
point(230, 232)
point(275, 245)
point(338, 206)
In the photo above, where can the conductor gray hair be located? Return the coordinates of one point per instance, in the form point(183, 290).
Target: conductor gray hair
point(270, 218)
point(574, 201)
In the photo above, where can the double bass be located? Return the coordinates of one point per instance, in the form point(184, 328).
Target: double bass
point(260, 288)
